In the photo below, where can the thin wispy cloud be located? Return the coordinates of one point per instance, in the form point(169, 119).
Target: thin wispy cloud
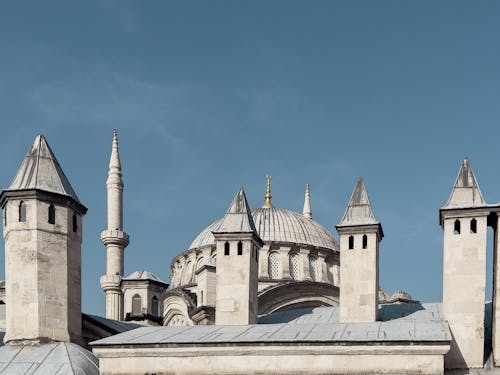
point(112, 101)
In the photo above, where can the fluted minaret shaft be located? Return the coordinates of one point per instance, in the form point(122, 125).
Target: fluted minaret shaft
point(307, 212)
point(114, 238)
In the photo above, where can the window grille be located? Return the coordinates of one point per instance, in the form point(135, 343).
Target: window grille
point(274, 266)
point(294, 266)
point(313, 268)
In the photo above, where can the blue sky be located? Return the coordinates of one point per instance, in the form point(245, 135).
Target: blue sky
point(211, 96)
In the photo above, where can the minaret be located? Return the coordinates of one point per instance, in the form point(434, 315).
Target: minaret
point(268, 194)
point(114, 238)
point(238, 246)
point(307, 212)
point(360, 235)
point(464, 220)
point(43, 236)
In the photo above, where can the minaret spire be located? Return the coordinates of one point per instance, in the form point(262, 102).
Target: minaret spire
point(114, 238)
point(268, 194)
point(307, 212)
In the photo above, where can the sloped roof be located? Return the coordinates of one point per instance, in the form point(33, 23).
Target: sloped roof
point(412, 323)
point(359, 211)
point(238, 218)
point(110, 325)
point(466, 192)
point(48, 359)
point(41, 170)
point(143, 275)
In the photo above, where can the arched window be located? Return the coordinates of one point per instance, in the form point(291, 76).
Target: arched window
point(52, 214)
point(226, 248)
point(22, 212)
point(154, 306)
point(75, 222)
point(456, 228)
point(293, 265)
point(473, 226)
point(240, 248)
point(274, 265)
point(365, 241)
point(351, 242)
point(313, 268)
point(136, 305)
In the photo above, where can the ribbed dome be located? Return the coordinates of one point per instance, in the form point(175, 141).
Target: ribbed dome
point(278, 225)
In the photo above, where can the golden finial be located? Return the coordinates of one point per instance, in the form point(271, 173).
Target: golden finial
point(268, 194)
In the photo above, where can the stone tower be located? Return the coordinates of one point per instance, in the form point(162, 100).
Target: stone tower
point(238, 247)
point(43, 235)
point(114, 238)
point(464, 220)
point(360, 234)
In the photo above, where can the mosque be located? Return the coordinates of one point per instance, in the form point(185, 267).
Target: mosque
point(259, 291)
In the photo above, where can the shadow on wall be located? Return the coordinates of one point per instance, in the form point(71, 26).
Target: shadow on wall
point(284, 316)
point(396, 311)
point(488, 333)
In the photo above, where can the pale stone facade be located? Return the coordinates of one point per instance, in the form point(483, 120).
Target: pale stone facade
point(276, 360)
point(43, 235)
point(360, 235)
point(237, 256)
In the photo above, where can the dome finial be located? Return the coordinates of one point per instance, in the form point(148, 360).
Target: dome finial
point(268, 193)
point(307, 212)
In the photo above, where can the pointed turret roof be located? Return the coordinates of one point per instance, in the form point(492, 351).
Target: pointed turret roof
point(466, 192)
point(238, 218)
point(40, 170)
point(359, 211)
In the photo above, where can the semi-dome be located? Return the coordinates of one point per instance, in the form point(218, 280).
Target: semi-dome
point(278, 225)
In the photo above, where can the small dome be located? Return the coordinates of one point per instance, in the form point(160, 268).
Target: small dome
point(278, 225)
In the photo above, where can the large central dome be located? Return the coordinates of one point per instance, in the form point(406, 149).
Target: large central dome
point(278, 225)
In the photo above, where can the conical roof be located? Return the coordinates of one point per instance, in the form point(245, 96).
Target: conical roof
point(40, 170)
point(359, 211)
point(466, 192)
point(238, 218)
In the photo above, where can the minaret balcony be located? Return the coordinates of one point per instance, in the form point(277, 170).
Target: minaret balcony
point(114, 237)
point(111, 283)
